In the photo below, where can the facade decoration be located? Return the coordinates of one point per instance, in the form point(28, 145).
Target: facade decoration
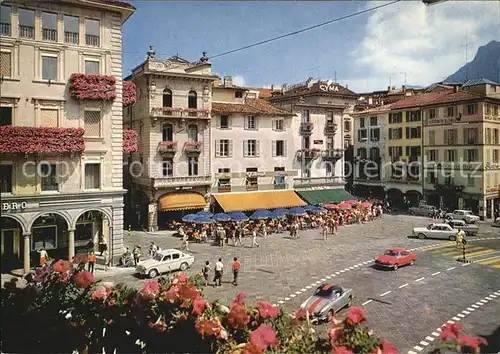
point(129, 140)
point(93, 87)
point(129, 93)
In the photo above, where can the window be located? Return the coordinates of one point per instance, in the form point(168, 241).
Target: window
point(279, 179)
point(329, 169)
point(361, 122)
point(49, 26)
point(6, 64)
point(192, 100)
point(193, 166)
point(496, 156)
point(450, 137)
point(347, 126)
point(412, 151)
point(395, 118)
point(470, 155)
point(471, 109)
point(374, 153)
point(373, 121)
point(71, 32)
point(470, 181)
point(279, 125)
point(395, 133)
point(252, 178)
point(49, 67)
point(433, 155)
point(471, 136)
point(5, 178)
point(250, 123)
point(238, 94)
point(48, 174)
point(192, 132)
point(93, 176)
point(92, 123)
point(432, 113)
point(5, 115)
point(496, 140)
point(395, 151)
point(167, 167)
point(413, 132)
point(362, 134)
point(224, 122)
point(167, 132)
point(329, 117)
point(450, 155)
point(223, 148)
point(487, 137)
point(362, 153)
point(375, 134)
point(92, 32)
point(251, 148)
point(305, 116)
point(92, 67)
point(495, 110)
point(432, 137)
point(26, 23)
point(413, 116)
point(450, 111)
point(432, 178)
point(49, 117)
point(5, 22)
point(167, 98)
point(279, 148)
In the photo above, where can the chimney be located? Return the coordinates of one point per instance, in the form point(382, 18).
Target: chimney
point(217, 82)
point(388, 88)
point(404, 88)
point(228, 81)
point(272, 88)
point(347, 86)
point(456, 88)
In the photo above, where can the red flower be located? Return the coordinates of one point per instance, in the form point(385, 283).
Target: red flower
point(342, 350)
point(171, 295)
point(188, 291)
point(101, 292)
point(251, 348)
point(129, 93)
point(356, 315)
point(199, 306)
point(181, 277)
point(239, 299)
point(81, 258)
point(335, 335)
point(208, 328)
point(263, 337)
point(150, 288)
point(238, 317)
point(450, 331)
point(92, 87)
point(61, 266)
point(471, 342)
point(267, 310)
point(300, 313)
point(129, 140)
point(83, 279)
point(388, 348)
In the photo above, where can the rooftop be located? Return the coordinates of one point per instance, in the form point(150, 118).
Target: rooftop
point(255, 106)
point(479, 81)
point(310, 88)
point(431, 98)
point(115, 3)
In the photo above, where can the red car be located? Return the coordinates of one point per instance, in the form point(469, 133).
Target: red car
point(395, 257)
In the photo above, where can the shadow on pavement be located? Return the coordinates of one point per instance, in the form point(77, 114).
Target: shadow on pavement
point(493, 340)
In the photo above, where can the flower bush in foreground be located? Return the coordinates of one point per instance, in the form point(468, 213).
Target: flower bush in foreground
point(62, 310)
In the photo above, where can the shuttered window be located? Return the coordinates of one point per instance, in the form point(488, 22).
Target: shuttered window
point(5, 64)
point(49, 117)
point(92, 123)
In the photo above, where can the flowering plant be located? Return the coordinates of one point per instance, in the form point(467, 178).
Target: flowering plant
point(452, 339)
point(24, 140)
point(92, 87)
point(129, 93)
point(195, 110)
point(129, 140)
point(306, 124)
point(192, 144)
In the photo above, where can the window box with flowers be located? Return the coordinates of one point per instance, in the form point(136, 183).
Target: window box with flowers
point(195, 112)
point(92, 87)
point(41, 140)
point(192, 147)
point(129, 140)
point(331, 128)
point(308, 154)
point(306, 128)
point(129, 93)
point(166, 111)
point(167, 147)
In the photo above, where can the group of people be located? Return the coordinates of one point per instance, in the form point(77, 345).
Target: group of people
point(219, 272)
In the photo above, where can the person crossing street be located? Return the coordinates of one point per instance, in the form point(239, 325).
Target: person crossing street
point(254, 238)
point(206, 271)
point(219, 271)
point(236, 271)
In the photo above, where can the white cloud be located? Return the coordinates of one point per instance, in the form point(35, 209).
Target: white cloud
point(426, 43)
point(238, 80)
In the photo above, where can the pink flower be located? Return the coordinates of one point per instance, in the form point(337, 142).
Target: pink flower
point(471, 342)
point(101, 292)
point(356, 315)
point(171, 295)
point(388, 348)
point(239, 298)
point(83, 279)
point(208, 328)
point(267, 310)
point(238, 317)
point(335, 335)
point(61, 266)
point(342, 350)
point(188, 291)
point(450, 331)
point(199, 306)
point(150, 288)
point(264, 337)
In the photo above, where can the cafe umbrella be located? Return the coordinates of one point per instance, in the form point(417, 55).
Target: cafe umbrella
point(202, 220)
point(204, 213)
point(221, 217)
point(297, 211)
point(238, 216)
point(261, 215)
point(189, 217)
point(279, 213)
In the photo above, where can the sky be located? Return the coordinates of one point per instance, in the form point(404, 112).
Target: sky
point(403, 43)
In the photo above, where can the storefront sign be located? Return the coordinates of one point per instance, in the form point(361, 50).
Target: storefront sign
point(14, 206)
point(318, 142)
point(256, 174)
point(329, 88)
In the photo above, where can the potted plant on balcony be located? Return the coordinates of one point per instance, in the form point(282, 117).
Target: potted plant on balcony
point(195, 112)
point(192, 146)
point(129, 93)
point(167, 147)
point(92, 87)
point(129, 140)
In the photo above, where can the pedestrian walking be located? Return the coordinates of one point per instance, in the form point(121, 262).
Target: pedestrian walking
point(91, 264)
point(185, 242)
point(152, 250)
point(44, 256)
point(240, 236)
point(206, 271)
point(219, 271)
point(236, 271)
point(325, 231)
point(136, 252)
point(254, 238)
point(105, 255)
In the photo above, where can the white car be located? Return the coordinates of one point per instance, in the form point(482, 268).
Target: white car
point(464, 215)
point(441, 231)
point(496, 223)
point(165, 261)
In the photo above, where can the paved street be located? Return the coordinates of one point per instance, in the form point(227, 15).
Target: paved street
point(405, 307)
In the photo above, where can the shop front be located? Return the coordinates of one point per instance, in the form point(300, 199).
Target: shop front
point(248, 201)
point(173, 206)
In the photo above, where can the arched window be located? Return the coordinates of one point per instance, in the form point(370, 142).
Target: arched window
point(192, 132)
point(192, 99)
point(167, 98)
point(167, 132)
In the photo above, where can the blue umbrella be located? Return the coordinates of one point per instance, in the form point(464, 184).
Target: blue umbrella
point(221, 217)
point(309, 208)
point(297, 211)
point(279, 213)
point(319, 210)
point(238, 216)
point(189, 217)
point(261, 215)
point(204, 213)
point(199, 219)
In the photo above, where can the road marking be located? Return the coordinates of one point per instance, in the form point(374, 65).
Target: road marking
point(475, 306)
point(342, 271)
point(387, 292)
point(466, 264)
point(308, 287)
point(366, 302)
point(435, 334)
point(356, 266)
point(287, 298)
point(450, 322)
point(451, 268)
point(419, 279)
point(466, 312)
point(333, 274)
point(424, 343)
point(402, 286)
point(412, 352)
point(328, 276)
point(303, 289)
point(470, 309)
point(337, 273)
point(483, 301)
point(436, 273)
point(430, 339)
point(281, 302)
point(490, 260)
point(461, 315)
point(493, 296)
point(488, 298)
point(274, 305)
point(418, 348)
point(323, 279)
point(485, 255)
point(481, 253)
point(439, 329)
point(292, 295)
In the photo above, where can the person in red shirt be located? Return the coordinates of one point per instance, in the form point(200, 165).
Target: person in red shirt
point(236, 270)
point(91, 259)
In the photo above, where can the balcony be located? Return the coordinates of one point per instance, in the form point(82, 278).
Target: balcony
point(318, 181)
point(5, 29)
point(49, 34)
point(167, 148)
point(307, 154)
point(176, 112)
point(26, 32)
point(71, 37)
point(332, 154)
point(185, 181)
point(404, 180)
point(92, 40)
point(192, 147)
point(306, 128)
point(331, 129)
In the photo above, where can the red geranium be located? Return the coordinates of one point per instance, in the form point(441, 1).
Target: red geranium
point(335, 335)
point(83, 279)
point(239, 299)
point(129, 140)
point(267, 310)
point(61, 266)
point(101, 292)
point(92, 87)
point(199, 306)
point(208, 328)
point(342, 350)
point(356, 315)
point(388, 348)
point(188, 291)
point(238, 317)
point(471, 342)
point(450, 331)
point(150, 288)
point(129, 93)
point(264, 337)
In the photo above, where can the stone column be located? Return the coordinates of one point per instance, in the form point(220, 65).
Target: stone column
point(152, 217)
point(27, 252)
point(492, 211)
point(482, 208)
point(71, 244)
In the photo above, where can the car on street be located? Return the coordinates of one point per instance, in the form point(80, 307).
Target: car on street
point(168, 260)
point(394, 258)
point(464, 215)
point(326, 301)
point(469, 229)
point(435, 230)
point(423, 210)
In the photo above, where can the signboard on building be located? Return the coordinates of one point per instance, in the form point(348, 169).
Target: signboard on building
point(329, 88)
point(318, 142)
point(256, 174)
point(14, 206)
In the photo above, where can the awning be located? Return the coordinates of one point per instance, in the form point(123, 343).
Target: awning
point(258, 200)
point(181, 201)
point(318, 196)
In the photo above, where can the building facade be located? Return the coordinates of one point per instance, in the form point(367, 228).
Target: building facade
point(170, 174)
point(61, 144)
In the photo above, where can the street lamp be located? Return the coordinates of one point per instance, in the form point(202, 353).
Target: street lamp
point(432, 2)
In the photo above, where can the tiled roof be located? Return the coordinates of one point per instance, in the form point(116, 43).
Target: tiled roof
point(265, 92)
point(116, 3)
point(378, 109)
point(315, 88)
point(252, 106)
point(479, 81)
point(435, 97)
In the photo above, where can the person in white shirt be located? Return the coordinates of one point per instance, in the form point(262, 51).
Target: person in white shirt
point(254, 238)
point(219, 270)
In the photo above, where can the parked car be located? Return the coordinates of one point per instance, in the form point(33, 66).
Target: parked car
point(165, 261)
point(464, 215)
point(423, 210)
point(469, 229)
point(327, 300)
point(395, 257)
point(441, 231)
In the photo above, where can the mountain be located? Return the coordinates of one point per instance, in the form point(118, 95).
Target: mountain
point(486, 64)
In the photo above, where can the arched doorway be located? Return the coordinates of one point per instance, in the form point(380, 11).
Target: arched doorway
point(92, 230)
point(49, 231)
point(12, 244)
point(396, 199)
point(413, 198)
